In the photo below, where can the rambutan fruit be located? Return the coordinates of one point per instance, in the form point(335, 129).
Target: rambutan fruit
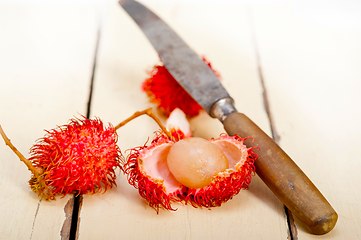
point(164, 91)
point(79, 157)
point(204, 173)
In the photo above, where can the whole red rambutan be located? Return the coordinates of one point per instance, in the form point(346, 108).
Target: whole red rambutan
point(164, 91)
point(79, 157)
point(204, 173)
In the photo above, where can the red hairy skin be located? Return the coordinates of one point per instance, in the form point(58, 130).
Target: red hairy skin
point(222, 188)
point(80, 157)
point(164, 91)
point(150, 189)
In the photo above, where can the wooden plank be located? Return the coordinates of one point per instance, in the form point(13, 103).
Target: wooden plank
point(46, 61)
point(310, 57)
point(221, 33)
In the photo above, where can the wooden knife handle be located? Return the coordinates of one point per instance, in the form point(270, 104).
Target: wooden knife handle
point(284, 177)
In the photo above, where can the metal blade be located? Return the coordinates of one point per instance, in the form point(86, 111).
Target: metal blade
point(181, 61)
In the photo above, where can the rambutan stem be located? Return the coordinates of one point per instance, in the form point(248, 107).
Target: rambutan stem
point(37, 172)
point(13, 148)
point(151, 114)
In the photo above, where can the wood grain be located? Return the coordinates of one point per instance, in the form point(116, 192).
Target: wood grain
point(125, 56)
point(46, 56)
point(310, 60)
point(306, 56)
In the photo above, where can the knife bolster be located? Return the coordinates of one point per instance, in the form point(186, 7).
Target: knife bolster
point(222, 108)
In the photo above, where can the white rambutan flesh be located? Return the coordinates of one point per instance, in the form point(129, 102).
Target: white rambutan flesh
point(195, 161)
point(178, 120)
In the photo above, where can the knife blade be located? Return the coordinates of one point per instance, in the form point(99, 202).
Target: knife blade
point(180, 60)
point(279, 172)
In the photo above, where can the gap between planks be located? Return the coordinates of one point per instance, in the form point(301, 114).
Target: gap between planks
point(36, 214)
point(73, 207)
point(292, 229)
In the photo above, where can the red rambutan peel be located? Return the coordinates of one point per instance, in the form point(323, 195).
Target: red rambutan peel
point(80, 157)
point(147, 171)
point(150, 169)
point(164, 91)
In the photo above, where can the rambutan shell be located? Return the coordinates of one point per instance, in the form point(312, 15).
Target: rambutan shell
point(147, 171)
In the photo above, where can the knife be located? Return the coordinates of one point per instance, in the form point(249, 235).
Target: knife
point(279, 172)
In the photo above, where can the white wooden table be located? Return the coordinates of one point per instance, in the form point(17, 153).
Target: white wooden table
point(305, 56)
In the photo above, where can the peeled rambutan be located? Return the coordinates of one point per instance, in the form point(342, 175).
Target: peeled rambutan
point(79, 157)
point(180, 170)
point(164, 91)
